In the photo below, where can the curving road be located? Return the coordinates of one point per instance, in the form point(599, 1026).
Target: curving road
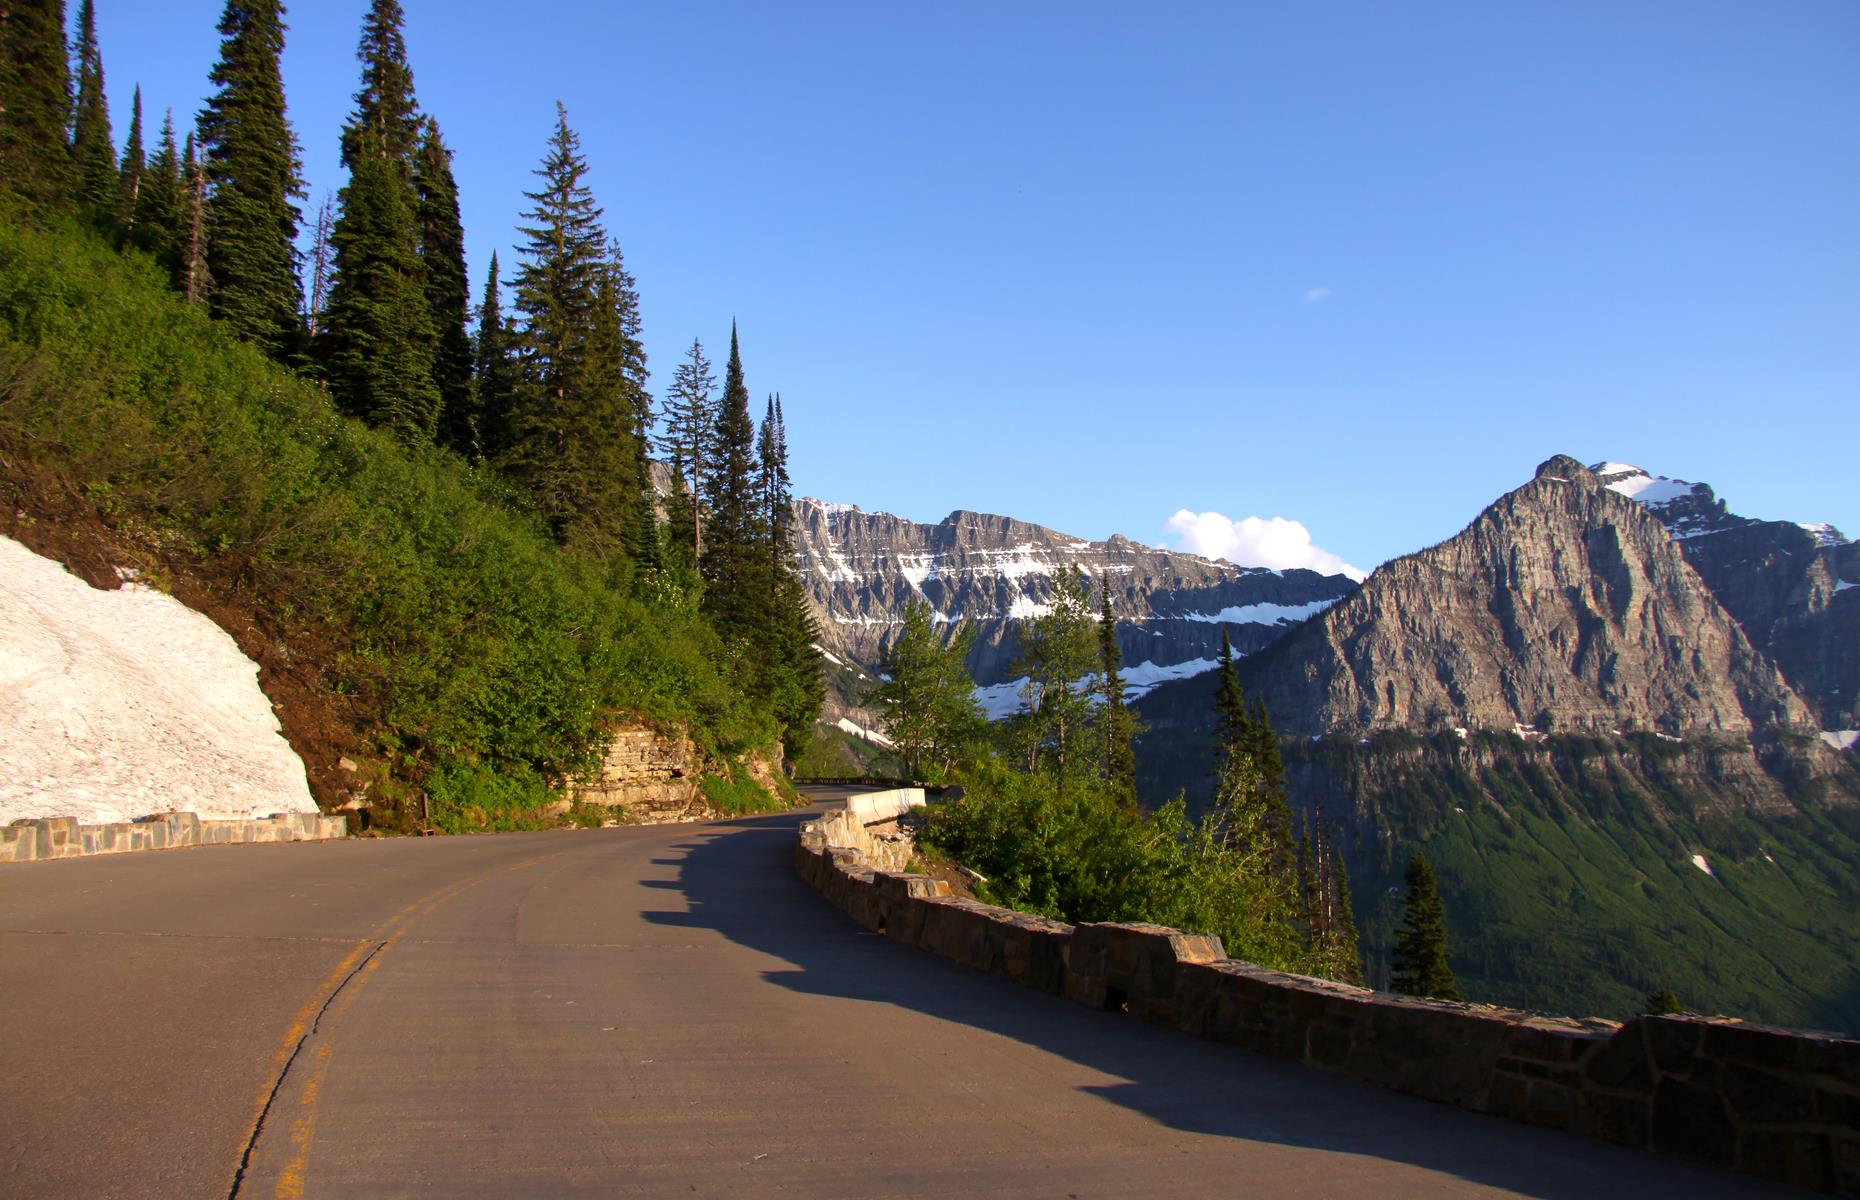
point(650, 1011)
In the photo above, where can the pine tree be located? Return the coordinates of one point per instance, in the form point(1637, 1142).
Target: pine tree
point(376, 348)
point(930, 712)
point(156, 225)
point(384, 106)
point(1269, 778)
point(1057, 650)
point(35, 106)
point(493, 374)
point(1117, 725)
point(1661, 1002)
point(1234, 812)
point(571, 436)
point(1330, 923)
point(732, 553)
point(791, 660)
point(130, 171)
point(192, 276)
point(448, 292)
point(322, 264)
point(1346, 957)
point(690, 425)
point(1420, 959)
point(777, 490)
point(92, 147)
point(253, 174)
point(1232, 731)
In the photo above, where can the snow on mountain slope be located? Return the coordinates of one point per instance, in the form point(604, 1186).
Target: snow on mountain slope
point(861, 569)
point(125, 703)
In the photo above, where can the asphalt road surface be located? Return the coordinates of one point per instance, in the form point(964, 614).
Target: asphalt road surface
point(655, 1011)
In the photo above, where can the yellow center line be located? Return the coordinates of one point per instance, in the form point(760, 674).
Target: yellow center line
point(341, 985)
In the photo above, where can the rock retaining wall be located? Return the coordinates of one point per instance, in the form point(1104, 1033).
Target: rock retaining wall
point(63, 837)
point(1778, 1103)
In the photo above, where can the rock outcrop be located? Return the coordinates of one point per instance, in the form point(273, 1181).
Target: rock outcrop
point(651, 777)
point(1564, 606)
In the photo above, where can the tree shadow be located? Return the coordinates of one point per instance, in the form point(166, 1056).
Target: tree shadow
point(743, 886)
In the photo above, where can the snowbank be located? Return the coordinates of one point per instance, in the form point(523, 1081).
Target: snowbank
point(114, 705)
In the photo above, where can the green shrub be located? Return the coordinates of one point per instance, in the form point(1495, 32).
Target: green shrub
point(1080, 856)
point(738, 793)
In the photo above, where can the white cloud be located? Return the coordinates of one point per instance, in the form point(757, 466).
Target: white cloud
point(1255, 542)
point(1316, 294)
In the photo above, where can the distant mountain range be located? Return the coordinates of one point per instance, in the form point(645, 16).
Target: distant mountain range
point(861, 569)
point(1614, 713)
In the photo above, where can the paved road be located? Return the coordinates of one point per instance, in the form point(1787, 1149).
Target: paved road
point(661, 1011)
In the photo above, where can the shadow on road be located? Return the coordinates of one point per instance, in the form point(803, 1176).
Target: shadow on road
point(743, 886)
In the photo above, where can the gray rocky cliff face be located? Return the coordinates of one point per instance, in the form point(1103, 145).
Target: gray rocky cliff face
point(1782, 581)
point(1564, 606)
point(861, 569)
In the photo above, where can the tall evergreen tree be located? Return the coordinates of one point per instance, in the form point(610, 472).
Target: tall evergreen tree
point(322, 265)
point(133, 166)
point(1420, 965)
point(1330, 922)
point(1269, 778)
point(192, 275)
point(493, 373)
point(377, 342)
point(690, 425)
point(1232, 730)
point(928, 699)
point(732, 554)
point(777, 489)
point(448, 291)
point(253, 174)
point(92, 146)
point(35, 106)
point(570, 440)
point(1117, 725)
point(790, 659)
point(384, 105)
point(1236, 780)
point(156, 225)
point(1057, 650)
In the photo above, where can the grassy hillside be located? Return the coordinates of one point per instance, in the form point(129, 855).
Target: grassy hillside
point(1566, 865)
point(408, 613)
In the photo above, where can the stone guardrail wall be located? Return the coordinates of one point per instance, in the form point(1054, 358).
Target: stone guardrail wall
point(1778, 1103)
point(63, 837)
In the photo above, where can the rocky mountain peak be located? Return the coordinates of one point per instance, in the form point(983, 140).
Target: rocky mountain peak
point(1564, 605)
point(1563, 468)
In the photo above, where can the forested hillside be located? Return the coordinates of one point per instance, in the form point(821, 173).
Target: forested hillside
point(441, 545)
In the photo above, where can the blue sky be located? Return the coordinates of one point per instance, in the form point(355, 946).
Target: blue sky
point(1356, 265)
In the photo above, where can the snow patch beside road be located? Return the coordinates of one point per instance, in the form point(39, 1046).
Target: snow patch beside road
point(121, 704)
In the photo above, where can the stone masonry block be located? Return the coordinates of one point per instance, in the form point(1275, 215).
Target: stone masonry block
point(1621, 1062)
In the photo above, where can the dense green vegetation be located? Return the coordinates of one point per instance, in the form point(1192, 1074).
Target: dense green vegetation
point(1048, 818)
point(482, 657)
point(1569, 882)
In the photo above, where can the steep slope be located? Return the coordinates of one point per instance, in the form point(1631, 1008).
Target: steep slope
point(862, 568)
point(1563, 606)
point(1794, 587)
